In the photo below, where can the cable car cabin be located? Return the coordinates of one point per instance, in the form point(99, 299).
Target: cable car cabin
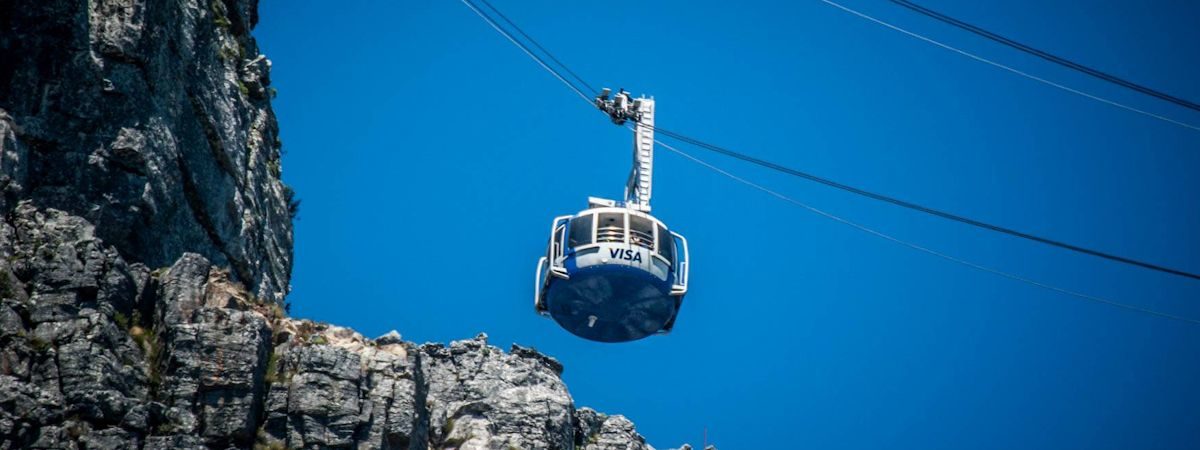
point(612, 273)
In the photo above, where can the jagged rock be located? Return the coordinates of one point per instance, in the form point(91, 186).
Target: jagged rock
point(595, 431)
point(140, 192)
point(103, 354)
point(65, 355)
point(108, 439)
point(214, 369)
point(391, 338)
point(174, 442)
point(689, 447)
point(481, 397)
point(150, 120)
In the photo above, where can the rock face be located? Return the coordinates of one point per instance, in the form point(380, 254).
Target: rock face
point(152, 120)
point(99, 353)
point(145, 248)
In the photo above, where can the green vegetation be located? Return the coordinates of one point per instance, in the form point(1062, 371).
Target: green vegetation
point(164, 428)
point(272, 375)
point(38, 344)
point(293, 203)
point(218, 11)
point(148, 340)
point(75, 429)
point(446, 431)
point(121, 319)
point(273, 445)
point(276, 311)
point(227, 54)
point(6, 286)
point(264, 441)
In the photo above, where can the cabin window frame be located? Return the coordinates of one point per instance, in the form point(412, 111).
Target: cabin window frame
point(646, 231)
point(665, 252)
point(623, 224)
point(591, 234)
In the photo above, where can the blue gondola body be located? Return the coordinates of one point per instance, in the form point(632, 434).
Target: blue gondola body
point(612, 275)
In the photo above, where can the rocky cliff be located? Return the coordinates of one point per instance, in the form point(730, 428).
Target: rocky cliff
point(152, 121)
point(145, 250)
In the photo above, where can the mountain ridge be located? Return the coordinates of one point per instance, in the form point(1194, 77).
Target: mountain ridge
point(145, 254)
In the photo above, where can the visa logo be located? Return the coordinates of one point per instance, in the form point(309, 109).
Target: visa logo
point(625, 254)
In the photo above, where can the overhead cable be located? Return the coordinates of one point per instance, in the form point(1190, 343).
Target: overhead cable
point(926, 209)
point(921, 248)
point(828, 215)
point(1009, 68)
point(1047, 56)
point(835, 184)
point(525, 49)
point(539, 47)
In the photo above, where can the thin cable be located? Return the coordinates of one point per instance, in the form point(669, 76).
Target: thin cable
point(525, 49)
point(834, 217)
point(1047, 56)
point(539, 46)
point(930, 251)
point(845, 187)
point(925, 209)
point(1008, 68)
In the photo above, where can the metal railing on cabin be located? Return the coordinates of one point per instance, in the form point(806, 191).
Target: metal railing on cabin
point(641, 239)
point(612, 233)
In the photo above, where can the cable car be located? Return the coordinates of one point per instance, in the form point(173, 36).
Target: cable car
point(613, 272)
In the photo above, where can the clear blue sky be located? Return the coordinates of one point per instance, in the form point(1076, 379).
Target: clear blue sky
point(431, 154)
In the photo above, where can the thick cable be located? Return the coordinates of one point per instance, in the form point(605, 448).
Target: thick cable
point(1008, 68)
point(926, 209)
point(1047, 56)
point(525, 49)
point(923, 249)
point(539, 46)
point(875, 196)
point(829, 215)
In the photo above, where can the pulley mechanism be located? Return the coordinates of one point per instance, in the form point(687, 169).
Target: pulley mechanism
point(619, 107)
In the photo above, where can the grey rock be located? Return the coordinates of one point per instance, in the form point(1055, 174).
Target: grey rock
point(109, 439)
point(481, 397)
point(150, 120)
point(142, 417)
point(174, 442)
point(391, 338)
point(184, 357)
point(595, 431)
point(146, 247)
point(214, 367)
point(183, 288)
